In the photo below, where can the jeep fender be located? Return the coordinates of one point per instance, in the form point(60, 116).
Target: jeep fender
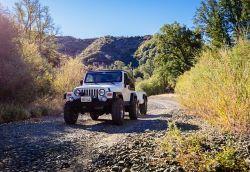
point(141, 96)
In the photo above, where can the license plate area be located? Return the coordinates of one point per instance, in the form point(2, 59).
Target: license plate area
point(86, 99)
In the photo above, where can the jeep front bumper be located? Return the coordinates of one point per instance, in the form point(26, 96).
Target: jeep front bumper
point(93, 106)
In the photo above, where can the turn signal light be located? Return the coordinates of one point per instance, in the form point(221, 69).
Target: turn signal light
point(109, 95)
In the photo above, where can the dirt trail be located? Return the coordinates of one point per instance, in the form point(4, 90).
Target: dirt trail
point(49, 144)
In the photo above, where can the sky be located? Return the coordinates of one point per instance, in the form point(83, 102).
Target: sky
point(96, 18)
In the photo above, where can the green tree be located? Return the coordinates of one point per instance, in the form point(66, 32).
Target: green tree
point(236, 15)
point(145, 55)
point(177, 46)
point(147, 50)
point(222, 20)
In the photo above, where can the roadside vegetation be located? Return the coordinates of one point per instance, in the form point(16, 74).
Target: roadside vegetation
point(217, 88)
point(208, 67)
point(33, 75)
point(198, 152)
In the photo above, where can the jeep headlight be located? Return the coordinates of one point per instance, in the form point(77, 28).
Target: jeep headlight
point(77, 92)
point(101, 92)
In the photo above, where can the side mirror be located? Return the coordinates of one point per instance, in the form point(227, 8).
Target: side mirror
point(81, 82)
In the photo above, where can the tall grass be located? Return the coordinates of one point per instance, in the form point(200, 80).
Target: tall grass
point(198, 152)
point(218, 87)
point(11, 112)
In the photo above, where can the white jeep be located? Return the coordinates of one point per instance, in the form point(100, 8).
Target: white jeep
point(105, 92)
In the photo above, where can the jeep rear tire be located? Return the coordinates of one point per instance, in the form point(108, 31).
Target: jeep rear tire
point(133, 109)
point(144, 106)
point(94, 116)
point(118, 112)
point(70, 116)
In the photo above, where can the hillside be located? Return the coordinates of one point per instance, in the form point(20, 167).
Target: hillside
point(101, 51)
point(106, 50)
point(71, 46)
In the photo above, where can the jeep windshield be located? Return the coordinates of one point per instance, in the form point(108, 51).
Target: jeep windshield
point(103, 77)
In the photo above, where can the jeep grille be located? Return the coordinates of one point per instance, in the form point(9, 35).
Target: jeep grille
point(90, 92)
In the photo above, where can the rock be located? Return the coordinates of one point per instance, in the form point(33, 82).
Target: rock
point(121, 163)
point(115, 168)
point(247, 161)
point(163, 154)
point(167, 170)
point(65, 165)
point(136, 142)
point(126, 170)
point(1, 165)
point(173, 169)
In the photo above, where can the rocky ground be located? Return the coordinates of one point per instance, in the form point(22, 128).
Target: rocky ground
point(49, 145)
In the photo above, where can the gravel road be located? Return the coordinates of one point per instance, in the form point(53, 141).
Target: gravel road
point(48, 144)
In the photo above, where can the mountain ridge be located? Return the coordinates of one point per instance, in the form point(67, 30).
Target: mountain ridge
point(102, 51)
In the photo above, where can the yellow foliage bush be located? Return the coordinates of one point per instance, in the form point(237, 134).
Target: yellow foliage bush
point(195, 152)
point(38, 66)
point(69, 75)
point(218, 88)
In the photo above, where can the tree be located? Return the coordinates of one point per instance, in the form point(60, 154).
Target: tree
point(222, 20)
point(177, 47)
point(145, 55)
point(236, 16)
point(147, 50)
point(38, 27)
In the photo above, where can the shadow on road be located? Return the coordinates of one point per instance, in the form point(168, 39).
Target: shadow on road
point(144, 123)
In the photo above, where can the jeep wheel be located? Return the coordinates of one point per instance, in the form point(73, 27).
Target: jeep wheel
point(70, 117)
point(94, 116)
point(118, 111)
point(133, 110)
point(144, 106)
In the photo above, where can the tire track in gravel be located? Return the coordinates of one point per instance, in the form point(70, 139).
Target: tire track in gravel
point(48, 144)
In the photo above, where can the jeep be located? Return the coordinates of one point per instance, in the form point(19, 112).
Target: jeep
point(105, 92)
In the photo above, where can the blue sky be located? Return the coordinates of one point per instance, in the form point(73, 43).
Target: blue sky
point(95, 18)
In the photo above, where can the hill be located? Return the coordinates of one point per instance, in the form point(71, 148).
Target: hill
point(103, 50)
point(71, 46)
point(106, 50)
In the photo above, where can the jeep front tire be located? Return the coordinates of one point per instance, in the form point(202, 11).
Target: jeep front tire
point(70, 116)
point(117, 111)
point(133, 109)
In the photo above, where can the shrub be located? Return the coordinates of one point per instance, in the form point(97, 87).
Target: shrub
point(217, 88)
point(38, 67)
point(15, 79)
point(194, 152)
point(151, 86)
point(69, 75)
point(38, 111)
point(11, 112)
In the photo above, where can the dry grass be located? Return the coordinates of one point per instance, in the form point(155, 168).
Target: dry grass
point(11, 112)
point(195, 152)
point(218, 88)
